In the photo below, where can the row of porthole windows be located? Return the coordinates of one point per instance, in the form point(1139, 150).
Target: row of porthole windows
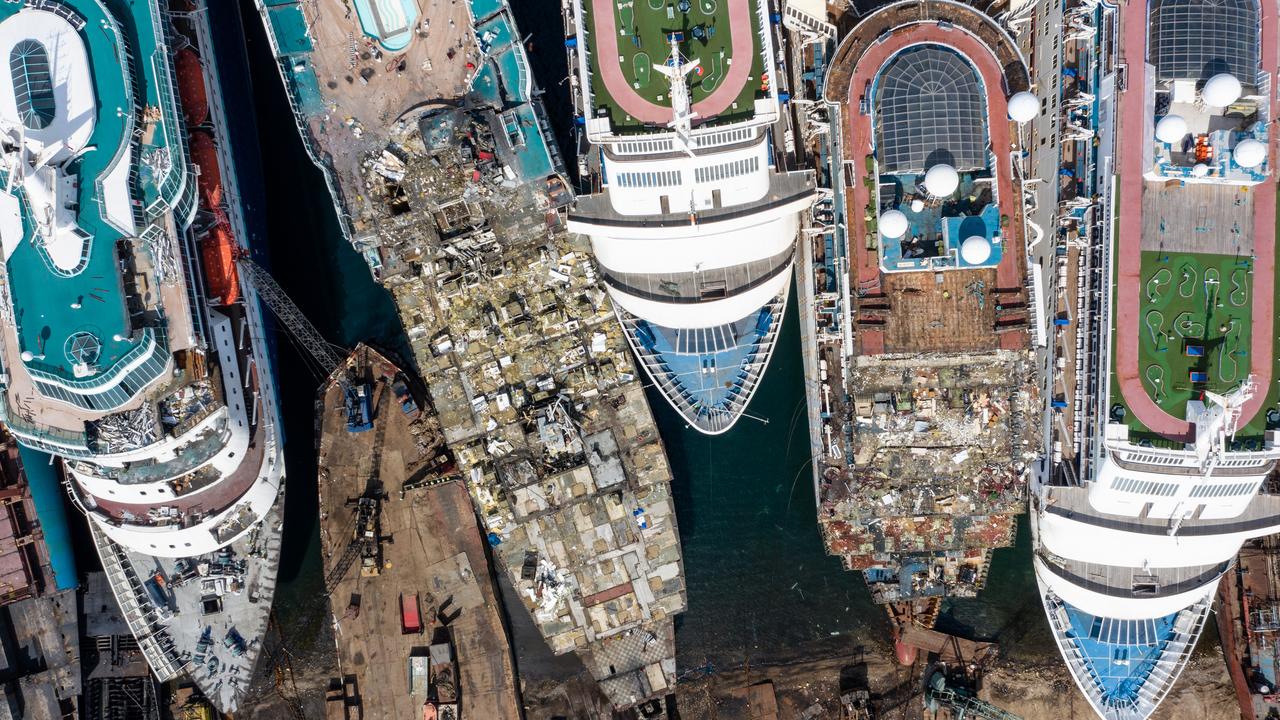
point(1153, 459)
point(644, 147)
point(726, 137)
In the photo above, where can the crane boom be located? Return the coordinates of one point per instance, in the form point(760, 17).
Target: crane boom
point(289, 315)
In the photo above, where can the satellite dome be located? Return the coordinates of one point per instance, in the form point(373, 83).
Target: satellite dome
point(941, 180)
point(1171, 129)
point(1249, 153)
point(1023, 107)
point(893, 224)
point(1199, 170)
point(1221, 90)
point(27, 356)
point(975, 250)
point(917, 205)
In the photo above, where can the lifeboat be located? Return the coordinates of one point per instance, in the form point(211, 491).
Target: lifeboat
point(195, 104)
point(217, 249)
point(205, 157)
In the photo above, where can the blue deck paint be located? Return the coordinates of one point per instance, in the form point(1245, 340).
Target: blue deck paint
point(710, 377)
point(1120, 654)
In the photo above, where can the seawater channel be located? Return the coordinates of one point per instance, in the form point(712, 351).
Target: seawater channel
point(761, 588)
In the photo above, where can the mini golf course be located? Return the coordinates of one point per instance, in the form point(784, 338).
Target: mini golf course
point(706, 36)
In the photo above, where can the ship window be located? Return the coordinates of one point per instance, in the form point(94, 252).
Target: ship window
point(32, 84)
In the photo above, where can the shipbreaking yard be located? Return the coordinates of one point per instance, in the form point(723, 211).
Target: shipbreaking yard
point(936, 462)
point(458, 204)
point(416, 617)
point(539, 400)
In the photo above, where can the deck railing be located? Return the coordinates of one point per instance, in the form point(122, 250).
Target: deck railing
point(144, 619)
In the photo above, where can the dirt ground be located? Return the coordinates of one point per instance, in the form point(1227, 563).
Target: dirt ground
point(811, 690)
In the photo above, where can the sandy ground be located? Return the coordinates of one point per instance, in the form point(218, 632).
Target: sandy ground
point(1034, 692)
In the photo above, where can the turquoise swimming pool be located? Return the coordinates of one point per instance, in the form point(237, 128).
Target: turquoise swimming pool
point(390, 22)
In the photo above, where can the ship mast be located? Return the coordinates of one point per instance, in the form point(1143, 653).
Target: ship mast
point(682, 113)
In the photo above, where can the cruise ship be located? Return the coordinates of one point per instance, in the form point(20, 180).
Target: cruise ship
point(691, 220)
point(1181, 441)
point(927, 388)
point(129, 349)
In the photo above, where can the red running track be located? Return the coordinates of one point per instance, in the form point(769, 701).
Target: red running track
point(858, 134)
point(741, 30)
point(1133, 24)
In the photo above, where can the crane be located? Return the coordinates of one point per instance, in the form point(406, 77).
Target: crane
point(290, 316)
point(960, 699)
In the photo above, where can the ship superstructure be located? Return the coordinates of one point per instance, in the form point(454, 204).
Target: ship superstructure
point(692, 222)
point(157, 398)
point(1128, 553)
point(926, 379)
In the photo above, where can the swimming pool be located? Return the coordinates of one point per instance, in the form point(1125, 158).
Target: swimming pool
point(390, 22)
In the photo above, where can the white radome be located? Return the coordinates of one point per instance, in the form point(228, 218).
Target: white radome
point(941, 180)
point(1221, 90)
point(1023, 107)
point(917, 205)
point(28, 356)
point(1200, 170)
point(975, 250)
point(1249, 153)
point(893, 224)
point(1171, 129)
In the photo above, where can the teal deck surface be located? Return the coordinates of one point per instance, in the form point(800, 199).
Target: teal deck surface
point(127, 54)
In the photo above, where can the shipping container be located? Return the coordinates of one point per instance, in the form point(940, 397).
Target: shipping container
point(410, 618)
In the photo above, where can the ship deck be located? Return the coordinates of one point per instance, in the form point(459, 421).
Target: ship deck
point(1198, 263)
point(939, 386)
point(957, 310)
point(434, 549)
point(729, 75)
point(50, 307)
point(208, 612)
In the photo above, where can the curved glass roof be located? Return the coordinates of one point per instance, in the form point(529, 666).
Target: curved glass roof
point(32, 84)
point(1196, 39)
point(929, 108)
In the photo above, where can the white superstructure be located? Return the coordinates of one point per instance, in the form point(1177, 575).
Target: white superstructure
point(694, 229)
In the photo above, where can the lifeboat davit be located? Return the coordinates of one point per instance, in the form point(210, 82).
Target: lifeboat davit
point(205, 156)
point(218, 251)
point(195, 104)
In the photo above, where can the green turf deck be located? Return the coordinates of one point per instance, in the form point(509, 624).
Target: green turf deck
point(643, 27)
point(1180, 309)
